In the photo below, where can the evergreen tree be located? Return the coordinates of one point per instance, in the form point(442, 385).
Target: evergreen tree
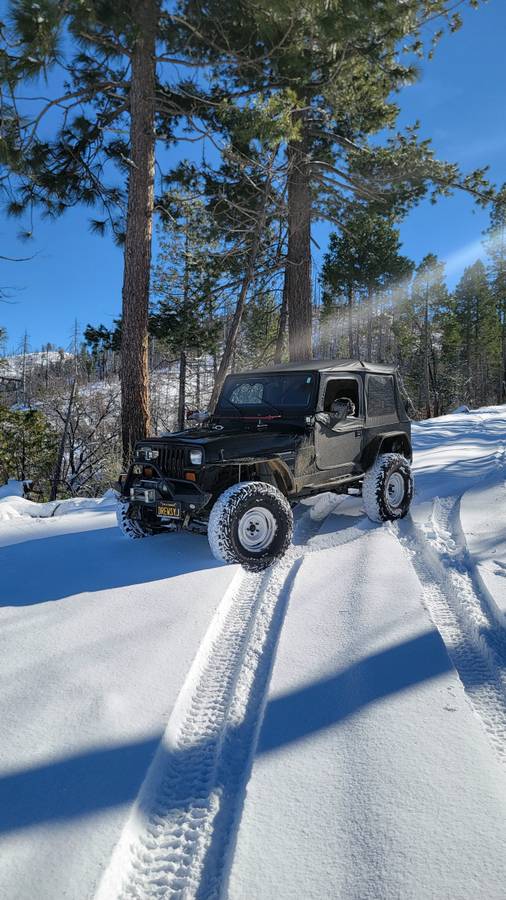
point(495, 245)
point(28, 447)
point(185, 280)
point(479, 335)
point(429, 302)
point(259, 331)
point(362, 262)
point(337, 65)
point(68, 148)
point(102, 341)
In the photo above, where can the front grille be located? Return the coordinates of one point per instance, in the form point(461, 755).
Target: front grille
point(172, 461)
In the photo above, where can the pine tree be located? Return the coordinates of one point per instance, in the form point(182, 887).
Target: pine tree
point(337, 66)
point(28, 448)
point(479, 335)
point(258, 332)
point(361, 264)
point(185, 280)
point(69, 149)
point(495, 246)
point(429, 301)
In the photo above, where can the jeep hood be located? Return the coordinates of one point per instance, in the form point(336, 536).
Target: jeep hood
point(220, 446)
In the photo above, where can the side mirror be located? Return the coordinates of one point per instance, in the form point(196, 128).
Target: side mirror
point(198, 417)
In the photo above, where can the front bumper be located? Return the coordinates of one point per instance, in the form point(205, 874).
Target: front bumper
point(148, 494)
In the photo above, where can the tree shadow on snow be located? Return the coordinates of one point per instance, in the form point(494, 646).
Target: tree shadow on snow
point(75, 787)
point(102, 778)
point(111, 776)
point(59, 566)
point(322, 704)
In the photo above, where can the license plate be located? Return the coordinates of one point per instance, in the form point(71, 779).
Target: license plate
point(169, 510)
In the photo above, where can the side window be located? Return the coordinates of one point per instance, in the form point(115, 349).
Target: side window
point(340, 388)
point(381, 397)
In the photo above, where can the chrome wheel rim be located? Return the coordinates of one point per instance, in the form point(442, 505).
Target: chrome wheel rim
point(256, 529)
point(395, 490)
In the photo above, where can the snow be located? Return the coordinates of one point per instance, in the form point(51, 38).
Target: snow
point(97, 635)
point(483, 522)
point(371, 777)
point(333, 727)
point(14, 506)
point(12, 366)
point(454, 452)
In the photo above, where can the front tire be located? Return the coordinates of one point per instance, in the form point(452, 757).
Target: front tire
point(388, 488)
point(251, 523)
point(132, 526)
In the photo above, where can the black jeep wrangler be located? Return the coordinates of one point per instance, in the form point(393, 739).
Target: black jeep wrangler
point(277, 435)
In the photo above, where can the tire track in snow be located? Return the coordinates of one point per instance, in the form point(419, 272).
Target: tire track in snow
point(177, 840)
point(475, 643)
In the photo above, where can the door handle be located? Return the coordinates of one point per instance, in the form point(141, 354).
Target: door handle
point(358, 433)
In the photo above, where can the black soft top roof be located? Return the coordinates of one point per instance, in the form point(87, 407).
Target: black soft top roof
point(325, 365)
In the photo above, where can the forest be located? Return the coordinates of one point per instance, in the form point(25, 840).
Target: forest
point(232, 130)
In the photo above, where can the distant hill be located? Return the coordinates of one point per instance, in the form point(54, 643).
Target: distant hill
point(13, 365)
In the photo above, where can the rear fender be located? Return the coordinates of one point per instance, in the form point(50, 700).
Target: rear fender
point(393, 442)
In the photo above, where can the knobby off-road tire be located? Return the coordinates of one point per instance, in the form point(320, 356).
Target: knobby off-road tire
point(388, 488)
point(130, 527)
point(251, 523)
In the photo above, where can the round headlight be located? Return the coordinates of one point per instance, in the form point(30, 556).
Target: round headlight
point(196, 457)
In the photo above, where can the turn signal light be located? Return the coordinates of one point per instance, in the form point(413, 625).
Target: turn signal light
point(190, 476)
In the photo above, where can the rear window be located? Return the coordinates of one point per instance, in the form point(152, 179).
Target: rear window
point(381, 397)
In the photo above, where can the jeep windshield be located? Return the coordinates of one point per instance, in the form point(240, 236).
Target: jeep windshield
point(269, 396)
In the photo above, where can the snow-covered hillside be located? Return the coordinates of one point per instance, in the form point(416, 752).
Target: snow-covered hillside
point(13, 365)
point(334, 727)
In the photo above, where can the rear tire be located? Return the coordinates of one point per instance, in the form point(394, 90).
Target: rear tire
point(388, 488)
point(251, 523)
point(132, 527)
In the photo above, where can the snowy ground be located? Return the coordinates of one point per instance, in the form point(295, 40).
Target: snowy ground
point(335, 727)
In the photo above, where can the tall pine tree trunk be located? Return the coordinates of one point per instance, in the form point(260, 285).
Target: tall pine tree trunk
point(426, 363)
point(502, 376)
point(181, 418)
point(369, 324)
point(350, 321)
point(56, 478)
point(283, 320)
point(298, 263)
point(134, 338)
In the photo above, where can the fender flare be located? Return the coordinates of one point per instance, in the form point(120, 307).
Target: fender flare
point(385, 443)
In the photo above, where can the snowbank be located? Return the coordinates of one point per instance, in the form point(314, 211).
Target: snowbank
point(13, 506)
point(455, 452)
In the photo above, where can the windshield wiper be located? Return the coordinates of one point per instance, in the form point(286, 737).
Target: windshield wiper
point(243, 415)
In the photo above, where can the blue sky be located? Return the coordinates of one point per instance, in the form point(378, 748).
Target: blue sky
point(459, 101)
